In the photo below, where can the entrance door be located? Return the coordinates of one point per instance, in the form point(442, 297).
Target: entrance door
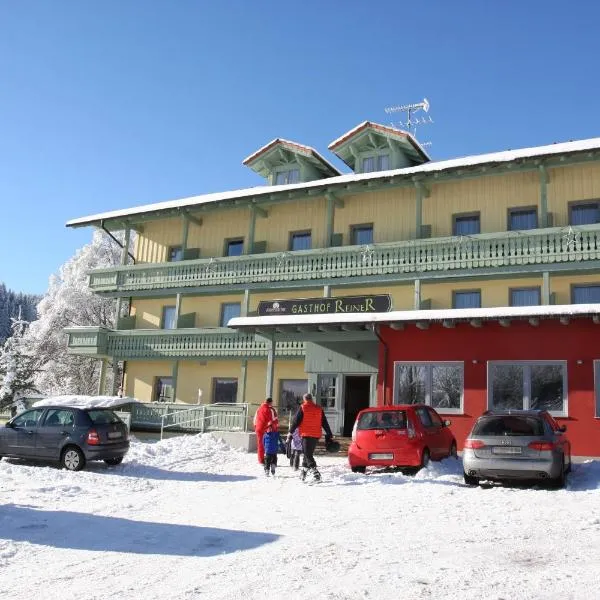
point(357, 395)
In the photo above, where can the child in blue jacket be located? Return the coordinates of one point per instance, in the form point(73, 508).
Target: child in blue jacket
point(271, 444)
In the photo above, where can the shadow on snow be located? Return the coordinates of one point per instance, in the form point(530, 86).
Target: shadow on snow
point(79, 531)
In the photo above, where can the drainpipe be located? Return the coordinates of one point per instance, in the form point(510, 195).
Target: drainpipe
point(385, 360)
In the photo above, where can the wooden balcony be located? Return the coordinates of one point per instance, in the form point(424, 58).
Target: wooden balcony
point(504, 252)
point(173, 344)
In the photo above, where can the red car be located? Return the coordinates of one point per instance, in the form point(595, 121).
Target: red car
point(404, 435)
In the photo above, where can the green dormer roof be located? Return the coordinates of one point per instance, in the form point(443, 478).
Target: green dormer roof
point(371, 140)
point(284, 157)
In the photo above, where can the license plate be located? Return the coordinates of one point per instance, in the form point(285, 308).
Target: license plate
point(381, 456)
point(114, 434)
point(506, 450)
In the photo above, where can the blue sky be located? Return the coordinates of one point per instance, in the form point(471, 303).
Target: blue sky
point(112, 104)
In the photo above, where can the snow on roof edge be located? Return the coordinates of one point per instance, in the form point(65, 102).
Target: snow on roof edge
point(506, 312)
point(433, 166)
point(80, 401)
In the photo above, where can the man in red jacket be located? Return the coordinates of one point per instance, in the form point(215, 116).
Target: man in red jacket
point(310, 419)
point(265, 418)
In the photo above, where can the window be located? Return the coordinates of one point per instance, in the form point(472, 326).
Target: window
point(163, 389)
point(361, 235)
point(584, 213)
point(466, 299)
point(440, 385)
point(234, 247)
point(585, 294)
point(522, 385)
point(169, 317)
point(424, 417)
point(290, 394)
point(300, 240)
point(29, 418)
point(224, 390)
point(525, 296)
point(466, 224)
point(522, 218)
point(326, 390)
point(175, 253)
point(375, 163)
point(285, 177)
point(59, 418)
point(229, 310)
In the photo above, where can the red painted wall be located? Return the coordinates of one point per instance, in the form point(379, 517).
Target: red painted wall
point(579, 340)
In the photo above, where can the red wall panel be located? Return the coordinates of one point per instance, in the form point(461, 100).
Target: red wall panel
point(475, 346)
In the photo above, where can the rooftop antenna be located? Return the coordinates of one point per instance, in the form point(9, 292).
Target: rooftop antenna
point(412, 121)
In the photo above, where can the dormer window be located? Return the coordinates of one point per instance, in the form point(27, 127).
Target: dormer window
point(376, 163)
point(288, 176)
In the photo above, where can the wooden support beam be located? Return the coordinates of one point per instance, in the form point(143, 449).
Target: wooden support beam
point(504, 322)
point(422, 187)
point(260, 212)
point(192, 219)
point(422, 324)
point(534, 321)
point(475, 323)
point(372, 139)
point(337, 202)
point(448, 324)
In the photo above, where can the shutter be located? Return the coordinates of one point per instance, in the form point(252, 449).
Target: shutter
point(191, 253)
point(425, 231)
point(259, 247)
point(127, 322)
point(337, 239)
point(549, 219)
point(552, 297)
point(425, 304)
point(186, 321)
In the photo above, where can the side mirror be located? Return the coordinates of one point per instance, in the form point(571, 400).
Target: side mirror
point(562, 428)
point(447, 423)
point(8, 424)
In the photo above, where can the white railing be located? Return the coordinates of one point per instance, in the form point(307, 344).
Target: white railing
point(207, 417)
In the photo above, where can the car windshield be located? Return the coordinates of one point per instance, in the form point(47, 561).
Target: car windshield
point(509, 425)
point(103, 417)
point(384, 419)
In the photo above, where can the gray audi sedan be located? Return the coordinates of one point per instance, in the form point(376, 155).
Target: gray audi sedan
point(66, 435)
point(517, 444)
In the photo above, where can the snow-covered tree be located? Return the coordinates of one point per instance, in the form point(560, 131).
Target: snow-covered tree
point(69, 302)
point(17, 365)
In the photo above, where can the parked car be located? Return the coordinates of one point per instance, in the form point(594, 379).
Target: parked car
point(68, 435)
point(404, 435)
point(517, 444)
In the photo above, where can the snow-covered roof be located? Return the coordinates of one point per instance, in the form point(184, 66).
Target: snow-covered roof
point(331, 182)
point(416, 316)
point(85, 401)
point(294, 147)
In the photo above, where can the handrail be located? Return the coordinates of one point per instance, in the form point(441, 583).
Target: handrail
point(243, 413)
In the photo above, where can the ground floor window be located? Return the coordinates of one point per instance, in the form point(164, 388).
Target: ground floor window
point(440, 385)
point(326, 390)
point(290, 394)
point(163, 389)
point(528, 385)
point(225, 390)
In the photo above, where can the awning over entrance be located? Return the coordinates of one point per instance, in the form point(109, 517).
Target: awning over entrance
point(350, 325)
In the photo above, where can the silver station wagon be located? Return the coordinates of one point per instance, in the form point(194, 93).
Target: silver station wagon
point(68, 435)
point(517, 444)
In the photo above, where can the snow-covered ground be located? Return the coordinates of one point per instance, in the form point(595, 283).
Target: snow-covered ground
point(190, 518)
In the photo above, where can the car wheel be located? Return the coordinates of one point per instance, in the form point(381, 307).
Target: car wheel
point(359, 469)
point(72, 459)
point(113, 462)
point(559, 482)
point(425, 458)
point(470, 480)
point(453, 450)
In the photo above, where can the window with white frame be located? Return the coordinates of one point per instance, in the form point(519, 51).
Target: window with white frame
point(536, 385)
point(379, 162)
point(440, 385)
point(286, 177)
point(326, 390)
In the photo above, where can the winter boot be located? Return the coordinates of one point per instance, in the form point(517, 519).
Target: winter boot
point(316, 476)
point(303, 474)
point(273, 469)
point(266, 470)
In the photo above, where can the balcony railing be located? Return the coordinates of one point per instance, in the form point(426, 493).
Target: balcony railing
point(171, 344)
point(488, 250)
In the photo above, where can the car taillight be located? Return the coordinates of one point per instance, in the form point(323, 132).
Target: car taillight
point(541, 445)
point(474, 444)
point(93, 439)
point(412, 434)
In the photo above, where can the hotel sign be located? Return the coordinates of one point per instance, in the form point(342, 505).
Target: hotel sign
point(321, 306)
